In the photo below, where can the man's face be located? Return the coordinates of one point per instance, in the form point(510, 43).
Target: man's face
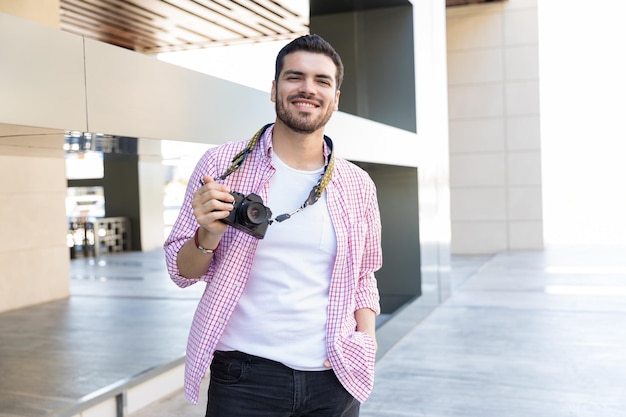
point(305, 93)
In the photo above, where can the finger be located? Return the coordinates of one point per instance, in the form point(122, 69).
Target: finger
point(207, 209)
point(210, 181)
point(208, 219)
point(209, 213)
point(212, 199)
point(207, 179)
point(211, 190)
point(327, 364)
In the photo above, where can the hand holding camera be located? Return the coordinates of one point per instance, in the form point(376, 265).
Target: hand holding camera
point(213, 202)
point(249, 214)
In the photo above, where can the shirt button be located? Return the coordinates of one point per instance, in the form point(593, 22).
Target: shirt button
point(221, 321)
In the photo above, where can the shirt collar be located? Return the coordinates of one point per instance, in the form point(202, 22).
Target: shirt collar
point(266, 142)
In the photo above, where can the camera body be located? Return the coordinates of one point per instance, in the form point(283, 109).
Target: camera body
point(249, 214)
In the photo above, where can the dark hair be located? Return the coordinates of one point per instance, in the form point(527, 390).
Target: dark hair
point(310, 43)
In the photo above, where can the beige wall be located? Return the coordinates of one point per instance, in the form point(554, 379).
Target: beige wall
point(46, 12)
point(33, 249)
point(495, 151)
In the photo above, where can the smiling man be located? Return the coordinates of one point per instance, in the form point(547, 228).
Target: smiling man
point(287, 321)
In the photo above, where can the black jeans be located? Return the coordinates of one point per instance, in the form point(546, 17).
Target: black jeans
point(243, 385)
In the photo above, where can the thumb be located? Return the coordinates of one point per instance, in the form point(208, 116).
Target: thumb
point(206, 180)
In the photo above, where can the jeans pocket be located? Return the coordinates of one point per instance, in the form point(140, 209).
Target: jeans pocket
point(226, 370)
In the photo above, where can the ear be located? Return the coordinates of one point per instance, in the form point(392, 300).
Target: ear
point(273, 92)
point(337, 94)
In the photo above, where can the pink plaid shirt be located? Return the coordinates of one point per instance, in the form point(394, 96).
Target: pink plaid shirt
point(354, 212)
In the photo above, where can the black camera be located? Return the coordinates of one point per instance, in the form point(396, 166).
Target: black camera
point(249, 214)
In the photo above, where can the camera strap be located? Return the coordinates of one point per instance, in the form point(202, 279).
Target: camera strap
point(316, 191)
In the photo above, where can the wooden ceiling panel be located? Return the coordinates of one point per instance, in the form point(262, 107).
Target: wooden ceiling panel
point(100, 19)
point(231, 28)
point(115, 34)
point(453, 3)
point(153, 26)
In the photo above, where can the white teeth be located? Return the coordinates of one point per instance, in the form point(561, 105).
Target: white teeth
point(304, 105)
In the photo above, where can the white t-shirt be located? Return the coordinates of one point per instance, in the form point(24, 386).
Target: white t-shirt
point(282, 313)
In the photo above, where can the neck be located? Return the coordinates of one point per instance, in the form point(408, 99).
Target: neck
point(299, 150)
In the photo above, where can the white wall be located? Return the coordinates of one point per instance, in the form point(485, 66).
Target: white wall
point(583, 87)
point(151, 194)
point(495, 148)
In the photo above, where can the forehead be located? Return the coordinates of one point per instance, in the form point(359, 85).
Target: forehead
point(309, 62)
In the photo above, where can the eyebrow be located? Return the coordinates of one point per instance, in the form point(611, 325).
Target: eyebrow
point(295, 72)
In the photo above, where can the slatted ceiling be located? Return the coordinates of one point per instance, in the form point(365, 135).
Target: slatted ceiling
point(154, 26)
point(452, 3)
point(116, 26)
point(113, 23)
point(91, 29)
point(204, 28)
point(230, 27)
point(197, 19)
point(271, 12)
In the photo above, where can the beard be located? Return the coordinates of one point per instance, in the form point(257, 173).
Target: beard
point(301, 122)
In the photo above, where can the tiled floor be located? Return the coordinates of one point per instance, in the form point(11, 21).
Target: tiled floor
point(525, 334)
point(125, 317)
point(528, 334)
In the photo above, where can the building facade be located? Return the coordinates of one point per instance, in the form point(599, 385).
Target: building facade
point(478, 184)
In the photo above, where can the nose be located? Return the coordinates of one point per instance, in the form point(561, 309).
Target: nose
point(307, 86)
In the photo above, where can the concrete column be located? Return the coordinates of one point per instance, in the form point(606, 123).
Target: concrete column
point(495, 146)
point(151, 193)
point(33, 250)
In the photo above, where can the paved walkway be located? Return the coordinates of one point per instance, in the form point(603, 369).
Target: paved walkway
point(528, 334)
point(525, 334)
point(125, 317)
point(538, 334)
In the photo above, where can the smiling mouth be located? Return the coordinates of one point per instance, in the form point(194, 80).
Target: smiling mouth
point(305, 105)
point(304, 102)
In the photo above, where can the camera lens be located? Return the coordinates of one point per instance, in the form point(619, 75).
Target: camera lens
point(255, 213)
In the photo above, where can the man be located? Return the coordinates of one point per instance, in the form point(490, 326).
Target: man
point(287, 319)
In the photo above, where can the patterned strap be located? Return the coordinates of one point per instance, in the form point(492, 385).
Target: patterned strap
point(237, 161)
point(316, 191)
